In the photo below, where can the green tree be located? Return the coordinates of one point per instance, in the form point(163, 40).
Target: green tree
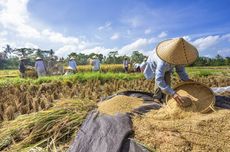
point(137, 57)
point(23, 52)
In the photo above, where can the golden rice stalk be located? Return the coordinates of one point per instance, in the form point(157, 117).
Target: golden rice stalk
point(9, 113)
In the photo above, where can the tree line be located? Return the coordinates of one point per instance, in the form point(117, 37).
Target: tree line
point(9, 58)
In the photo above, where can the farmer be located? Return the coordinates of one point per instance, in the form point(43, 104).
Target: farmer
point(137, 67)
point(22, 67)
point(126, 64)
point(69, 71)
point(73, 64)
point(95, 63)
point(40, 67)
point(170, 54)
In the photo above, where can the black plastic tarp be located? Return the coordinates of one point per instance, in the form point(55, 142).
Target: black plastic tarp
point(105, 133)
point(222, 102)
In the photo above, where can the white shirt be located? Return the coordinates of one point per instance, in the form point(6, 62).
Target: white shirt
point(126, 63)
point(96, 64)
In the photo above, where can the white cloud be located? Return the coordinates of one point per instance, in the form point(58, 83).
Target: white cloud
point(99, 49)
point(31, 45)
point(14, 16)
point(58, 37)
point(224, 52)
point(148, 31)
point(226, 36)
point(135, 21)
point(206, 42)
point(105, 27)
point(65, 50)
point(136, 45)
point(187, 38)
point(162, 35)
point(115, 36)
point(17, 30)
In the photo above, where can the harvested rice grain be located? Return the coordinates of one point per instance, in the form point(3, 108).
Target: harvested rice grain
point(186, 131)
point(119, 104)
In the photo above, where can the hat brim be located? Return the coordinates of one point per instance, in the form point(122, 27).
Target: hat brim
point(170, 62)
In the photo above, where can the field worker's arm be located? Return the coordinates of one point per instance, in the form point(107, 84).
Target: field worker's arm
point(36, 65)
point(160, 81)
point(181, 72)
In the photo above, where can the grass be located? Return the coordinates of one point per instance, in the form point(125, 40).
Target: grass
point(206, 71)
point(83, 76)
point(118, 68)
point(76, 77)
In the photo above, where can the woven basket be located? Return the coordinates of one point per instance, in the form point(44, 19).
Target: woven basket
point(202, 96)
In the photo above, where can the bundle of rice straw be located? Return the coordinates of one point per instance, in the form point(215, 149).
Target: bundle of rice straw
point(119, 104)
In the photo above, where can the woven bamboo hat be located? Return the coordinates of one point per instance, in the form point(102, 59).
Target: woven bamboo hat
point(177, 51)
point(72, 58)
point(202, 97)
point(38, 58)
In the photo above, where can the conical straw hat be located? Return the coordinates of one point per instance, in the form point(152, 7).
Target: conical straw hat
point(38, 58)
point(177, 51)
point(202, 96)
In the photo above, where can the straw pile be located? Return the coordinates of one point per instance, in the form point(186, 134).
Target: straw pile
point(119, 104)
point(176, 130)
point(50, 130)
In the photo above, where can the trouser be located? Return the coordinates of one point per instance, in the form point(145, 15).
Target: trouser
point(41, 73)
point(158, 94)
point(126, 69)
point(22, 74)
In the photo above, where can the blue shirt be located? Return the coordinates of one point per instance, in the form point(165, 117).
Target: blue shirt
point(40, 65)
point(73, 64)
point(156, 68)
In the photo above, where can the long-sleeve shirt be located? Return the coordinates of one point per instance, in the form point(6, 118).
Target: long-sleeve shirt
point(96, 64)
point(40, 65)
point(22, 67)
point(125, 63)
point(156, 68)
point(73, 64)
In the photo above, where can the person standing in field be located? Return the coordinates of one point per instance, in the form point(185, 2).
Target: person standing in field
point(51, 65)
point(22, 67)
point(137, 67)
point(126, 65)
point(40, 67)
point(95, 63)
point(73, 64)
point(169, 54)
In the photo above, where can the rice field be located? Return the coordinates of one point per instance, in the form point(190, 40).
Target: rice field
point(116, 68)
point(48, 111)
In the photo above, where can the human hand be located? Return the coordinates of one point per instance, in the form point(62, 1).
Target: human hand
point(178, 99)
point(183, 101)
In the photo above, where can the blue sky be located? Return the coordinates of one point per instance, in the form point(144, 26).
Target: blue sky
point(101, 26)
